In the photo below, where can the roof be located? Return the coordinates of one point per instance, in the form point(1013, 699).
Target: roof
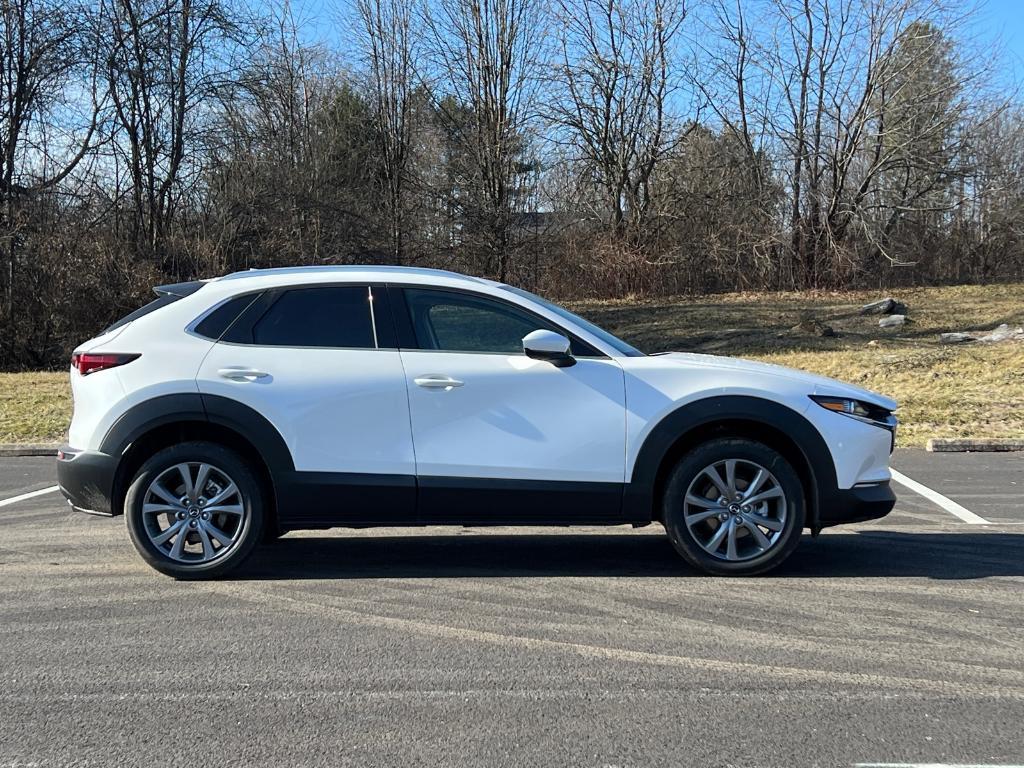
point(355, 272)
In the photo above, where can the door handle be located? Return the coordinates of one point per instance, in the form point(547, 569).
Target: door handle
point(242, 374)
point(437, 381)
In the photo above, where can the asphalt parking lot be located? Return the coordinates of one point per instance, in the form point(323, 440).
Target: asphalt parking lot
point(897, 641)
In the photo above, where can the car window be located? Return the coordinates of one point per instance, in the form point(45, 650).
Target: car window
point(612, 341)
point(454, 322)
point(215, 324)
point(335, 316)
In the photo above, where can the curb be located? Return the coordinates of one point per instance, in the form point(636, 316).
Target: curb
point(959, 445)
point(46, 449)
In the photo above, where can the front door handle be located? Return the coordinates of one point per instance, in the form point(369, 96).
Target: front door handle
point(242, 374)
point(437, 381)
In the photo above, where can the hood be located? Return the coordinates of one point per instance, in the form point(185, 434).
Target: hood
point(816, 385)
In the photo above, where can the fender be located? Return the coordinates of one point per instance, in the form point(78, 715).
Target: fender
point(168, 409)
point(148, 415)
point(639, 495)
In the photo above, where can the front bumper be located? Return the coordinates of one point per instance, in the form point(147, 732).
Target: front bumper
point(86, 478)
point(857, 504)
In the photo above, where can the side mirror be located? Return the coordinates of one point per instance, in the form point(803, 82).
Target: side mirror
point(550, 346)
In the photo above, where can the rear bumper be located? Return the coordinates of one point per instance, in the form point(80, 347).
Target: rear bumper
point(855, 505)
point(86, 478)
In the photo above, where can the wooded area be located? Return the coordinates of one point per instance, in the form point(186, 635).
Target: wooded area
point(581, 148)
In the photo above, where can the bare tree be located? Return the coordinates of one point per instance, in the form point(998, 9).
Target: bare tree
point(47, 49)
point(166, 62)
point(390, 50)
point(294, 175)
point(617, 74)
point(849, 97)
point(488, 55)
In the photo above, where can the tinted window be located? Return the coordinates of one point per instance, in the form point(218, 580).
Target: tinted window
point(318, 317)
point(217, 322)
point(612, 341)
point(456, 322)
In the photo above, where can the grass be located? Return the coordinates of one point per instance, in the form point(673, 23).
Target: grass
point(969, 390)
point(34, 407)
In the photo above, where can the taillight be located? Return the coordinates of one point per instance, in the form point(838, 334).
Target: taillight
point(87, 363)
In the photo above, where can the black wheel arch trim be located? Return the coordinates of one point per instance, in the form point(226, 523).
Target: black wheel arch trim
point(148, 415)
point(639, 499)
point(215, 409)
point(167, 410)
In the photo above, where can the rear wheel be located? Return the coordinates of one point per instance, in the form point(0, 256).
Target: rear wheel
point(734, 507)
point(194, 510)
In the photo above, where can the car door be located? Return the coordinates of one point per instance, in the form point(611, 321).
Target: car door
point(500, 437)
point(310, 360)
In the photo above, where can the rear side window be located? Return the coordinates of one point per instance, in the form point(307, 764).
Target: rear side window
point(335, 316)
point(215, 324)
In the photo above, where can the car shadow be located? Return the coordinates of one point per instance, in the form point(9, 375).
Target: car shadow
point(855, 554)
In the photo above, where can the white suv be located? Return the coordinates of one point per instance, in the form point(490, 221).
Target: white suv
point(230, 411)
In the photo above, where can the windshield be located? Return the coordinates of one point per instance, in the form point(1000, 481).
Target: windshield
point(612, 341)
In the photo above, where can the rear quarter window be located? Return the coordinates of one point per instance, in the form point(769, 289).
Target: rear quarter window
point(216, 324)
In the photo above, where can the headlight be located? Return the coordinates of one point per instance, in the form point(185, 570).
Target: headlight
point(858, 409)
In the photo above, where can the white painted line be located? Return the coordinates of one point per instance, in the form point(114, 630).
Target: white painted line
point(29, 495)
point(934, 765)
point(937, 498)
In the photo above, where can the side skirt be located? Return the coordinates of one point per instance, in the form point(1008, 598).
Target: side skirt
point(487, 501)
point(327, 499)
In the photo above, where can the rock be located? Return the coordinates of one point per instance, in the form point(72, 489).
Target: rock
point(873, 343)
point(886, 306)
point(813, 328)
point(892, 321)
point(955, 338)
point(1002, 333)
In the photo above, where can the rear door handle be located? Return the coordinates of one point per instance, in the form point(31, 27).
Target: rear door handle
point(437, 381)
point(242, 374)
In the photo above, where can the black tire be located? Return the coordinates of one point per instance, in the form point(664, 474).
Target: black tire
point(245, 534)
point(750, 454)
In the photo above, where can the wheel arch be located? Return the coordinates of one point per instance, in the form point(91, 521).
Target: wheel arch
point(766, 421)
point(168, 420)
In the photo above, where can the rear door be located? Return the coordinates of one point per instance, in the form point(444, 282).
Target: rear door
point(311, 361)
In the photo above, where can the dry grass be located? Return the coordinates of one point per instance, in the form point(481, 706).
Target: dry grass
point(34, 407)
point(971, 390)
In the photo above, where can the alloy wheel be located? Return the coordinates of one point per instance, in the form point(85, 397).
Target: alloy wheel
point(193, 512)
point(735, 509)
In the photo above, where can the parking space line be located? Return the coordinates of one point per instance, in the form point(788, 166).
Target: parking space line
point(935, 765)
point(937, 498)
point(29, 495)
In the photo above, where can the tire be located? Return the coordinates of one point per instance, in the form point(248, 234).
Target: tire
point(695, 515)
point(203, 544)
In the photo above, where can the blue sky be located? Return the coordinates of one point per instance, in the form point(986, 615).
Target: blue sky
point(1003, 20)
point(996, 24)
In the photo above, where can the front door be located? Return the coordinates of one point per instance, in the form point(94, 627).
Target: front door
point(500, 437)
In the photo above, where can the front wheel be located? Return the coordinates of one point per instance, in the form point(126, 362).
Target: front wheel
point(734, 507)
point(194, 510)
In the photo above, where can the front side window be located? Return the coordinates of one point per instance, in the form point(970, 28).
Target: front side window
point(334, 316)
point(453, 322)
point(614, 342)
